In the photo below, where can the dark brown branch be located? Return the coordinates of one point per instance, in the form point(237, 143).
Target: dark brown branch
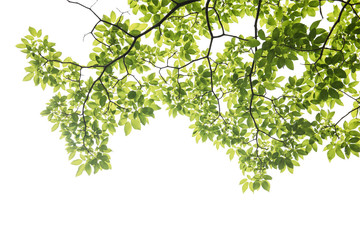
point(331, 30)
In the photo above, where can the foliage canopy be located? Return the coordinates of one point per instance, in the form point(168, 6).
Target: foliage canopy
point(245, 96)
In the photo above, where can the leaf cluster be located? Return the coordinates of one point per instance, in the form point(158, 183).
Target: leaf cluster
point(245, 97)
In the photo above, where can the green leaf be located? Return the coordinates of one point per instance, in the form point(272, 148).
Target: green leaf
point(289, 63)
point(315, 24)
point(187, 45)
point(354, 123)
point(266, 185)
point(269, 86)
point(256, 185)
point(289, 163)
point(92, 105)
point(251, 186)
point(57, 54)
point(252, 43)
point(104, 165)
point(323, 95)
point(280, 62)
point(261, 34)
point(127, 128)
point(276, 34)
point(314, 3)
point(250, 122)
point(267, 45)
point(339, 153)
point(131, 95)
point(355, 133)
point(347, 151)
point(333, 93)
point(271, 21)
point(340, 73)
point(142, 119)
point(257, 54)
point(354, 140)
point(147, 110)
point(267, 177)
point(262, 90)
point(88, 169)
point(321, 39)
point(355, 147)
point(45, 112)
point(103, 101)
point(337, 85)
point(111, 128)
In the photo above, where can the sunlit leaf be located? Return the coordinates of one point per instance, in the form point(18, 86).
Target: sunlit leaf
point(127, 128)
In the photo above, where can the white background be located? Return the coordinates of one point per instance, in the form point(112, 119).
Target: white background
point(163, 185)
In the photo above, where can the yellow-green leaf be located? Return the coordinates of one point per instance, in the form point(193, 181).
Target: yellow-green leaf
point(339, 153)
point(134, 26)
point(88, 169)
point(231, 153)
point(21, 45)
point(142, 26)
point(76, 162)
point(245, 187)
point(135, 123)
point(33, 31)
point(113, 16)
point(101, 28)
point(55, 127)
point(331, 154)
point(28, 77)
point(127, 128)
point(111, 128)
point(80, 170)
